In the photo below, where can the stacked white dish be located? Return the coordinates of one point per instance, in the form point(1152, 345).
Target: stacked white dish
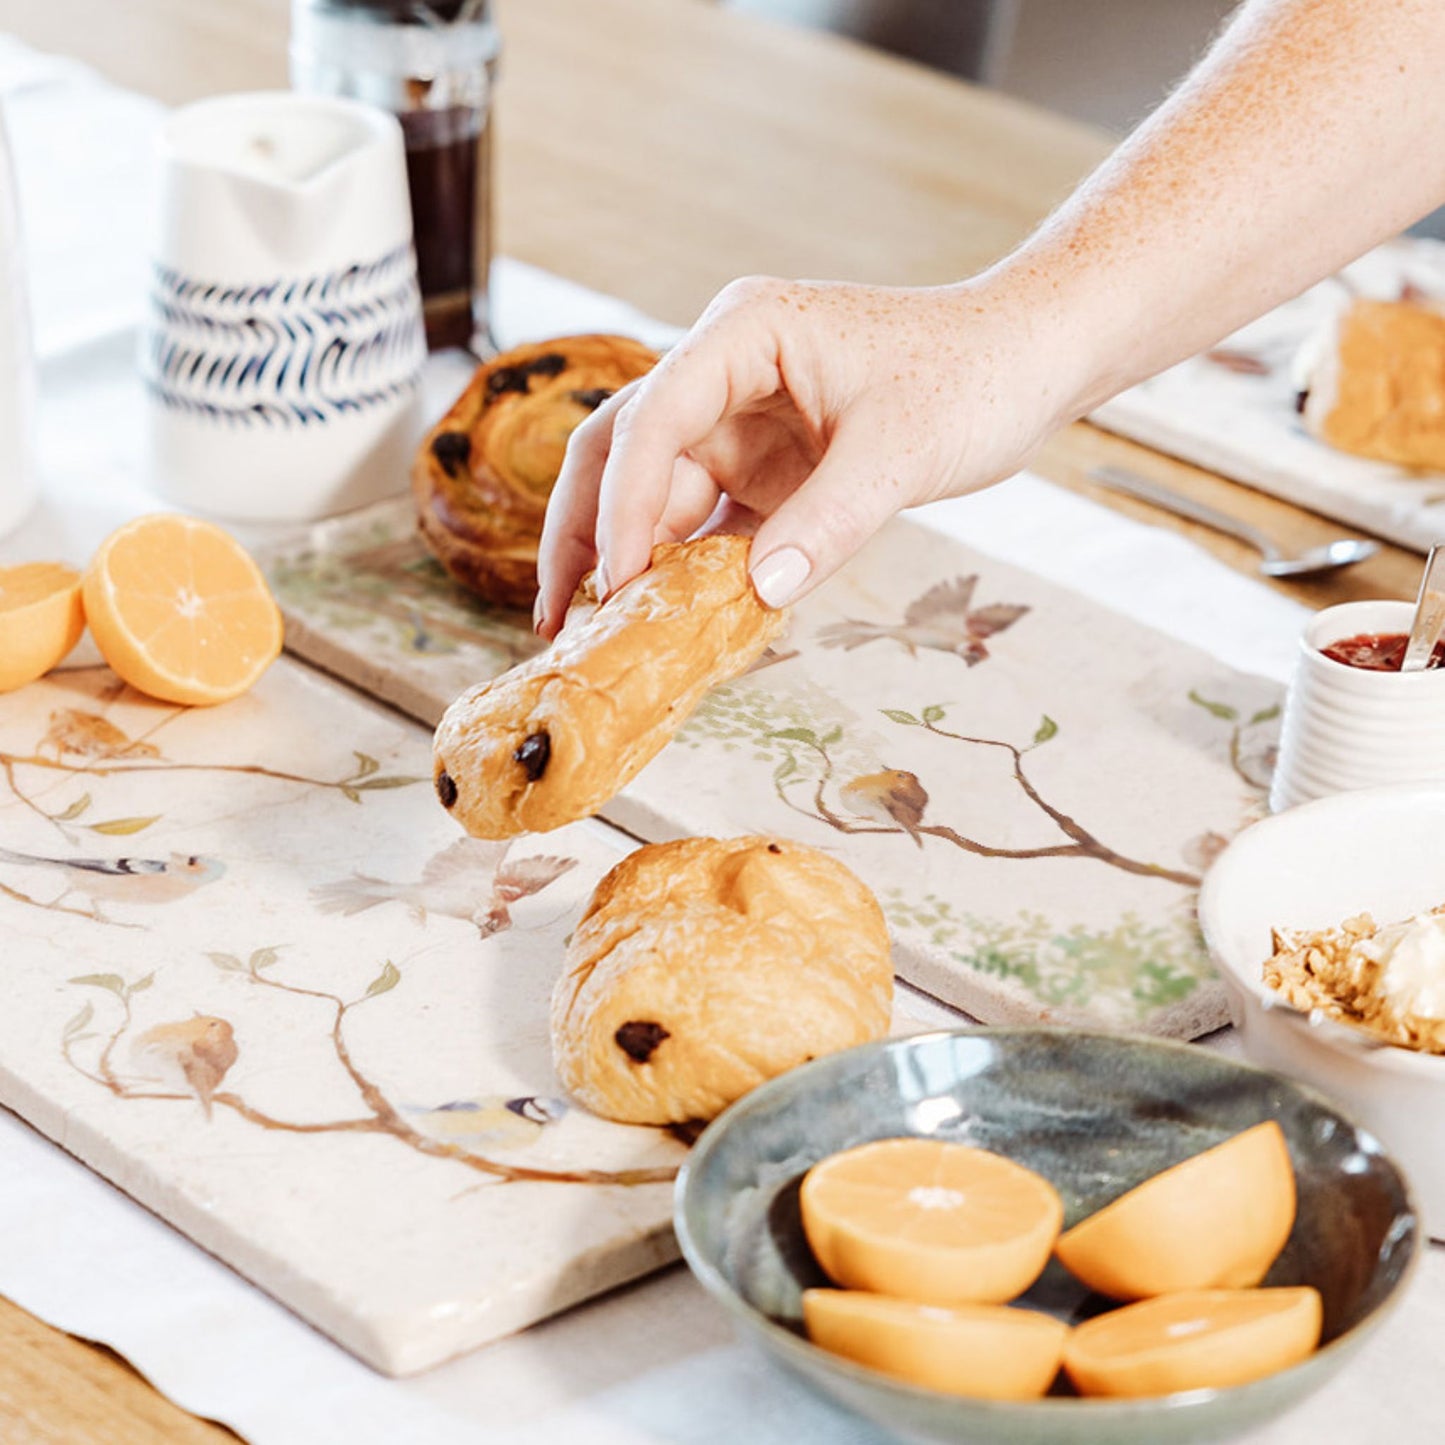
point(1353, 727)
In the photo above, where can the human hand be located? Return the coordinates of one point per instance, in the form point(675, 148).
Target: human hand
point(808, 413)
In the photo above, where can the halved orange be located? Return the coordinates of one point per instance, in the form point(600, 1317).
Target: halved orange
point(41, 619)
point(928, 1220)
point(988, 1352)
point(1216, 1221)
point(180, 611)
point(1194, 1340)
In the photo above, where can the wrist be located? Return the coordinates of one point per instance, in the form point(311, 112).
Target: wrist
point(1076, 337)
point(1038, 362)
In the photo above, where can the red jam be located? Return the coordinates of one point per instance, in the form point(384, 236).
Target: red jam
point(1377, 651)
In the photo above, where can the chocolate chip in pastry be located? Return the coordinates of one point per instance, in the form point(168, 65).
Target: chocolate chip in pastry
point(483, 475)
point(703, 967)
point(1373, 383)
point(555, 738)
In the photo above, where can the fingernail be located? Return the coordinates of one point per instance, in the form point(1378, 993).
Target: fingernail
point(602, 584)
point(777, 578)
point(538, 615)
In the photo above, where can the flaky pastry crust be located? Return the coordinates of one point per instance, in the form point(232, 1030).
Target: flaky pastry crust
point(1378, 386)
point(556, 737)
point(703, 967)
point(483, 475)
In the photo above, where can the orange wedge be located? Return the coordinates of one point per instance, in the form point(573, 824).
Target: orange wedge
point(180, 611)
point(930, 1221)
point(1216, 1221)
point(1197, 1340)
point(41, 619)
point(989, 1352)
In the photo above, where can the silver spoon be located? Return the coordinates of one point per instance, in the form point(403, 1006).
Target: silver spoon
point(1328, 557)
point(1429, 620)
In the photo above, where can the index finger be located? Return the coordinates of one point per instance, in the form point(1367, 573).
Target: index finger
point(713, 371)
point(567, 549)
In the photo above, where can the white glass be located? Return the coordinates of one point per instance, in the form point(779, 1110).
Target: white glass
point(17, 364)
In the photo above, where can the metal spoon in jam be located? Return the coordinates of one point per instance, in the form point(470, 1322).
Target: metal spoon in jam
point(1422, 650)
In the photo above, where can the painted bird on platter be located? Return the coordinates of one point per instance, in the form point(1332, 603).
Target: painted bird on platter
point(470, 879)
point(125, 880)
point(943, 619)
point(893, 796)
point(88, 735)
point(199, 1050)
point(491, 1122)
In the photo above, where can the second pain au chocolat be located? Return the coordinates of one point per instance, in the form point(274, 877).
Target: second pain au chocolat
point(485, 472)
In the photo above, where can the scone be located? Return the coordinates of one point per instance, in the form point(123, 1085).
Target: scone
point(703, 967)
point(1375, 383)
point(556, 737)
point(484, 473)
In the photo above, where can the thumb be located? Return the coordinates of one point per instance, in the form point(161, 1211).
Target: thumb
point(843, 502)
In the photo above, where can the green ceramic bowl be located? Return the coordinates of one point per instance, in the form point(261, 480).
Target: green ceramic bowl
point(1094, 1113)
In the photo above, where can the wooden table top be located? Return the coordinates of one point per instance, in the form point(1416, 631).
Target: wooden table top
point(654, 149)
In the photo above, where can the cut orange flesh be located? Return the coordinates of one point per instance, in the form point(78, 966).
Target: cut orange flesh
point(1195, 1340)
point(930, 1221)
point(180, 611)
point(1216, 1221)
point(41, 619)
point(989, 1352)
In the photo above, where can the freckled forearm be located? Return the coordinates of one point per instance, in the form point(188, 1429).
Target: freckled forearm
point(1312, 130)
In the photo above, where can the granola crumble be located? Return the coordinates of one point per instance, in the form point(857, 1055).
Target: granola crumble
point(1381, 978)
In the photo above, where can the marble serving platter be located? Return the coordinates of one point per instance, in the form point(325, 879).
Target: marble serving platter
point(1232, 409)
point(1031, 783)
point(254, 976)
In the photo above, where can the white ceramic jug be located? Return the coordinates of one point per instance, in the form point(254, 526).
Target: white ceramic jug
point(285, 338)
point(17, 365)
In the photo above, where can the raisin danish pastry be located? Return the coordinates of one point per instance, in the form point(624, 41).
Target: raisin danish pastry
point(703, 967)
point(554, 738)
point(483, 476)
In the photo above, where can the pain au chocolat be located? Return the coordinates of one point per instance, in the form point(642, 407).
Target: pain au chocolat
point(483, 475)
point(703, 967)
point(554, 738)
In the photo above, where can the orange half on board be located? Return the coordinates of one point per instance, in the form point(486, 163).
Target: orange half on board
point(180, 611)
point(41, 619)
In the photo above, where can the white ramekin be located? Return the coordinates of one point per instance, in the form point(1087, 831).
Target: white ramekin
point(1349, 727)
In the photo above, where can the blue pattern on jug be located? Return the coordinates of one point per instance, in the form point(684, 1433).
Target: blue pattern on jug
point(287, 351)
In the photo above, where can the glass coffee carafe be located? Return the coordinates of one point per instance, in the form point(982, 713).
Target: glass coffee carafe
point(433, 64)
